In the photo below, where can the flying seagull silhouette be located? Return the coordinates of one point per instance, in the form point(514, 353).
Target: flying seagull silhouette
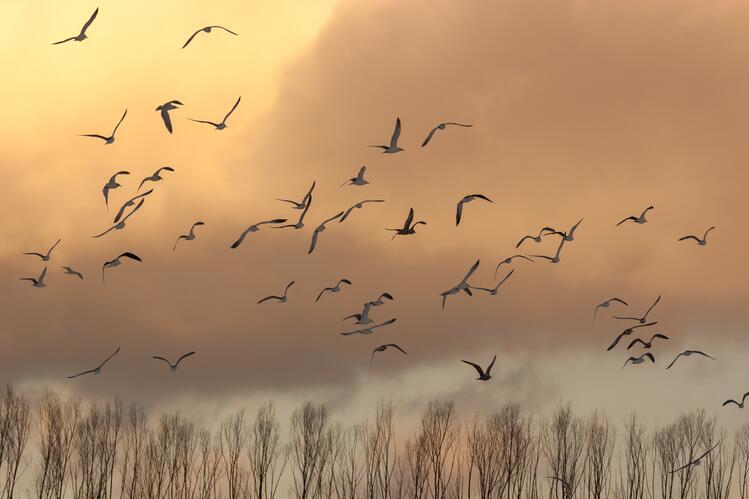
point(393, 147)
point(82, 35)
point(358, 180)
point(647, 344)
point(71, 271)
point(493, 291)
point(334, 289)
point(363, 317)
point(156, 176)
point(409, 227)
point(130, 202)
point(189, 236)
point(555, 258)
point(607, 304)
point(740, 405)
point(687, 353)
point(255, 228)
point(320, 228)
point(700, 242)
point(568, 236)
point(279, 299)
point(37, 282)
point(173, 367)
point(381, 299)
point(121, 224)
point(644, 318)
point(116, 262)
point(640, 359)
point(368, 330)
point(638, 220)
point(110, 139)
point(461, 286)
point(696, 462)
point(222, 125)
point(360, 204)
point(45, 257)
point(508, 261)
point(382, 348)
point(165, 108)
point(112, 184)
point(442, 126)
point(467, 199)
point(536, 239)
point(96, 370)
point(483, 375)
point(300, 222)
point(207, 29)
point(305, 199)
point(627, 332)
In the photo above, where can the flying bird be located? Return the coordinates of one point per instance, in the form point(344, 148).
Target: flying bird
point(45, 257)
point(173, 367)
point(279, 299)
point(112, 184)
point(255, 228)
point(638, 220)
point(334, 289)
point(640, 359)
point(320, 228)
point(647, 344)
point(409, 227)
point(110, 139)
point(207, 29)
point(740, 405)
point(534, 238)
point(483, 375)
point(381, 299)
point(696, 462)
point(568, 236)
point(165, 108)
point(555, 258)
point(37, 282)
point(71, 271)
point(687, 353)
point(189, 236)
point(82, 35)
point(461, 286)
point(360, 204)
point(508, 261)
point(300, 223)
point(222, 125)
point(121, 224)
point(116, 262)
point(393, 147)
point(467, 199)
point(130, 202)
point(96, 370)
point(382, 348)
point(700, 242)
point(627, 332)
point(370, 329)
point(493, 291)
point(644, 318)
point(156, 176)
point(358, 180)
point(363, 317)
point(305, 200)
point(607, 304)
point(442, 126)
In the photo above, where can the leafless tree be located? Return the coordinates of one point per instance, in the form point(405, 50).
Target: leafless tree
point(690, 438)
point(379, 453)
point(600, 438)
point(417, 483)
point(634, 461)
point(57, 428)
point(234, 435)
point(15, 426)
point(564, 448)
point(441, 433)
point(349, 468)
point(741, 446)
point(719, 464)
point(266, 455)
point(307, 440)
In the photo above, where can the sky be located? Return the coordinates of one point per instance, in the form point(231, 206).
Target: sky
point(591, 110)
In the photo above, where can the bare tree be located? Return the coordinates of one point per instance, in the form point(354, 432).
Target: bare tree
point(564, 447)
point(234, 436)
point(379, 453)
point(266, 456)
point(741, 446)
point(349, 469)
point(633, 476)
point(417, 467)
point(719, 464)
point(690, 437)
point(441, 433)
point(600, 438)
point(57, 427)
point(307, 439)
point(15, 425)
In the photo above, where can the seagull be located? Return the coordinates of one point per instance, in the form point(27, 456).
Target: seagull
point(700, 242)
point(441, 126)
point(112, 184)
point(467, 199)
point(165, 108)
point(116, 262)
point(82, 35)
point(627, 332)
point(697, 461)
point(71, 271)
point(222, 125)
point(368, 330)
point(640, 359)
point(509, 261)
point(607, 303)
point(300, 223)
point(638, 220)
point(379, 301)
point(360, 204)
point(644, 318)
point(189, 236)
point(358, 180)
point(130, 202)
point(393, 147)
point(45, 258)
point(121, 224)
point(173, 367)
point(96, 370)
point(319, 229)
point(647, 344)
point(255, 228)
point(567, 236)
point(37, 282)
point(555, 258)
point(363, 317)
point(740, 405)
point(305, 200)
point(207, 29)
point(493, 291)
point(535, 238)
point(334, 289)
point(382, 348)
point(408, 226)
point(156, 176)
point(483, 375)
point(110, 139)
point(687, 353)
point(279, 299)
point(461, 286)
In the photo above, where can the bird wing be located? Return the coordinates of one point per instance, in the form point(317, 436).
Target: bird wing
point(105, 232)
point(177, 241)
point(64, 41)
point(626, 219)
point(269, 298)
point(457, 124)
point(505, 278)
point(118, 126)
point(729, 401)
point(620, 301)
point(471, 271)
point(236, 243)
point(653, 305)
point(634, 342)
point(162, 358)
point(429, 137)
point(396, 133)
point(287, 287)
point(183, 357)
point(397, 347)
point(346, 214)
point(109, 358)
point(409, 219)
point(481, 196)
point(204, 121)
point(698, 352)
point(81, 374)
point(191, 37)
point(232, 109)
point(90, 20)
point(659, 335)
point(475, 366)
point(167, 120)
point(386, 323)
point(522, 240)
point(674, 361)
point(95, 135)
point(225, 29)
point(344, 281)
point(361, 172)
point(332, 218)
point(322, 293)
point(616, 341)
point(459, 212)
point(130, 255)
point(689, 237)
point(491, 364)
point(650, 356)
point(313, 243)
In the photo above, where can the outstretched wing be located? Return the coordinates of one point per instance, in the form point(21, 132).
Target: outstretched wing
point(429, 137)
point(90, 20)
point(191, 37)
point(616, 341)
point(118, 126)
point(626, 219)
point(475, 366)
point(109, 358)
point(491, 364)
point(313, 243)
point(232, 109)
point(183, 357)
point(167, 120)
point(459, 212)
point(674, 361)
point(396, 133)
point(239, 241)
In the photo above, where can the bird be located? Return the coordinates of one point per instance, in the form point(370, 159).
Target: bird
point(508, 261)
point(408, 227)
point(638, 220)
point(300, 223)
point(82, 35)
point(442, 126)
point(483, 375)
point(255, 228)
point(644, 318)
point(393, 147)
point(555, 258)
point(71, 271)
point(189, 236)
point(207, 29)
point(318, 229)
point(279, 299)
point(627, 332)
point(363, 317)
point(640, 359)
point(358, 180)
point(382, 348)
point(130, 202)
point(380, 299)
point(121, 224)
point(700, 242)
point(493, 291)
point(740, 405)
point(535, 238)
point(165, 108)
point(116, 262)
point(334, 289)
point(647, 344)
point(368, 330)
point(110, 139)
point(467, 199)
point(222, 125)
point(97, 369)
point(687, 353)
point(696, 462)
point(37, 282)
point(45, 257)
point(607, 304)
point(360, 204)
point(461, 286)
point(568, 236)
point(156, 176)
point(305, 200)
point(173, 367)
point(112, 184)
